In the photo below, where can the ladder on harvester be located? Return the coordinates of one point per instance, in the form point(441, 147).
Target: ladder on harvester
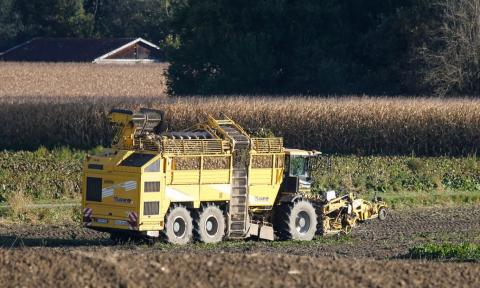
point(238, 207)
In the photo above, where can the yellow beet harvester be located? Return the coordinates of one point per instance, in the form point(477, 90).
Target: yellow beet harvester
point(208, 183)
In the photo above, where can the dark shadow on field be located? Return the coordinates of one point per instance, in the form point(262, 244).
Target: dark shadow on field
point(8, 241)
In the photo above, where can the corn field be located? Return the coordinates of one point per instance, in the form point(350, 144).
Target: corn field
point(349, 125)
point(74, 79)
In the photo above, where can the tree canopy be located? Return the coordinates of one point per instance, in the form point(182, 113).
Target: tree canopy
point(375, 47)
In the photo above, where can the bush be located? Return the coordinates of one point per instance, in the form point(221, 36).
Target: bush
point(447, 251)
point(42, 174)
point(56, 174)
point(371, 173)
point(19, 202)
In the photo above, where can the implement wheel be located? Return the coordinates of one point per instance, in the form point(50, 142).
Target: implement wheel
point(178, 226)
point(210, 225)
point(296, 221)
point(382, 214)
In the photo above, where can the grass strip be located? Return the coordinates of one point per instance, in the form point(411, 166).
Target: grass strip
point(446, 251)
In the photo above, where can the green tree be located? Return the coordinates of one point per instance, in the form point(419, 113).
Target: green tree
point(287, 46)
point(8, 20)
point(10, 24)
point(449, 59)
point(130, 18)
point(54, 18)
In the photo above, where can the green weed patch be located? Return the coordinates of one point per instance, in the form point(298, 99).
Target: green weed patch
point(446, 251)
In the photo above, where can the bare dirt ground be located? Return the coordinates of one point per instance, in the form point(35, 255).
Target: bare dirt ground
point(373, 256)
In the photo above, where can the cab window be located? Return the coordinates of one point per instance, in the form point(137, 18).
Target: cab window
point(298, 166)
point(154, 167)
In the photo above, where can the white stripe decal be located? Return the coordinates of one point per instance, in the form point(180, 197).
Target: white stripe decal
point(175, 195)
point(129, 185)
point(107, 192)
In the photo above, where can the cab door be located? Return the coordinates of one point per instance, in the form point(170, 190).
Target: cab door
point(152, 198)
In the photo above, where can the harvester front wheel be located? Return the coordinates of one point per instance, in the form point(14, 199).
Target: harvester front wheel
point(296, 221)
point(178, 226)
point(210, 225)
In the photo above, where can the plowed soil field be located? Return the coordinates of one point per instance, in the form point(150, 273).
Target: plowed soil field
point(373, 256)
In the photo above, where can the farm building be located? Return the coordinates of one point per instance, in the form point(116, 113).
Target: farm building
point(116, 50)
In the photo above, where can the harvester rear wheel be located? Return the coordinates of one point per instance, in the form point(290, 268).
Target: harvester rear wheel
point(178, 226)
point(210, 225)
point(296, 221)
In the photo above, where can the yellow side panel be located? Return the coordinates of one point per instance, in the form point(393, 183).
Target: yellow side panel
point(216, 176)
point(260, 176)
point(182, 193)
point(120, 191)
point(262, 195)
point(152, 222)
point(215, 192)
point(185, 177)
point(119, 198)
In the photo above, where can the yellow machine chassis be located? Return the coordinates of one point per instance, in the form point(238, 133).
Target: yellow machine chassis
point(126, 195)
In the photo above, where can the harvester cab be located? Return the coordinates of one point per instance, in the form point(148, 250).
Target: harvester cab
point(298, 170)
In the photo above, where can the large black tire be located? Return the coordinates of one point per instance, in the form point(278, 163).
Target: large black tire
point(178, 226)
point(210, 225)
point(295, 221)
